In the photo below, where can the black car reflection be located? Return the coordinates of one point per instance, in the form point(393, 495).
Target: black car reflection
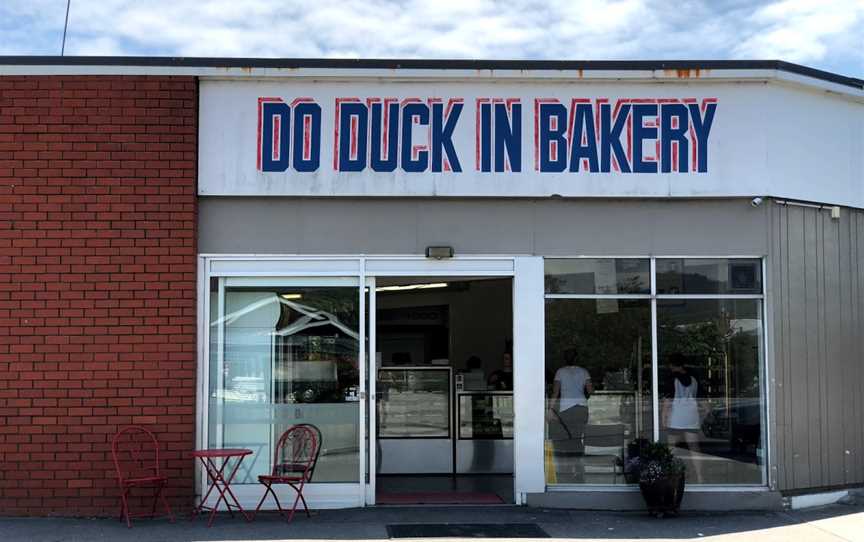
point(739, 422)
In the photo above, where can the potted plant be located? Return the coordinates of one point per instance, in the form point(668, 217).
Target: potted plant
point(659, 473)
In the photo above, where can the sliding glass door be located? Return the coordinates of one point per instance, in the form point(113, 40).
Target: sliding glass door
point(287, 340)
point(285, 351)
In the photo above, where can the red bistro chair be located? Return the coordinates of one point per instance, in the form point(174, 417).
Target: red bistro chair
point(293, 464)
point(319, 439)
point(136, 458)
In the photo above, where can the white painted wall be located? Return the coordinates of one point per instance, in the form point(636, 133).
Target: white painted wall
point(767, 139)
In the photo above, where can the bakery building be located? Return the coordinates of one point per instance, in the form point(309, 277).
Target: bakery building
point(480, 280)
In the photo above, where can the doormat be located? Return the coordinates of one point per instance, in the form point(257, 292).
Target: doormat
point(437, 497)
point(466, 530)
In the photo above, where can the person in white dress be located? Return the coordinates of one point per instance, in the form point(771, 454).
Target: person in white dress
point(681, 413)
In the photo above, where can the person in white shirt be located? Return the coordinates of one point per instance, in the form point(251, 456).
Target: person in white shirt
point(681, 414)
point(571, 389)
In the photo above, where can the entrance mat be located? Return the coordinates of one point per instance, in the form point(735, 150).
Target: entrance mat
point(438, 497)
point(466, 530)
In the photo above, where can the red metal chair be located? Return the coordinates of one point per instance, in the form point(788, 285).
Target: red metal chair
point(293, 463)
point(136, 458)
point(320, 440)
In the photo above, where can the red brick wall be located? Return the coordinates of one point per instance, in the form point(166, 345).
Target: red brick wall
point(97, 284)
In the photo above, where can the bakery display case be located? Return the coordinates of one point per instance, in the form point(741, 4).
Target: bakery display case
point(415, 414)
point(484, 442)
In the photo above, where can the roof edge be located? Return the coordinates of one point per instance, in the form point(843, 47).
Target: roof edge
point(431, 64)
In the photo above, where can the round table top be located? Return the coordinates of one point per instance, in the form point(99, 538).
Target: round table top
point(222, 452)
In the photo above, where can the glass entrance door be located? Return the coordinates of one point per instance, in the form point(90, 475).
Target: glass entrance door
point(442, 381)
point(288, 340)
point(286, 351)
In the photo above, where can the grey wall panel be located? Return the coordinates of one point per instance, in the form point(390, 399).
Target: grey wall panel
point(777, 301)
point(697, 227)
point(817, 302)
point(854, 429)
point(811, 375)
point(481, 226)
point(292, 226)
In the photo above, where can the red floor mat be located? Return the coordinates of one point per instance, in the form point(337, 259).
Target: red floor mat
point(438, 497)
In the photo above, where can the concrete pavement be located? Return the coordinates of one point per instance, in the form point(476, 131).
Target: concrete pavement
point(835, 523)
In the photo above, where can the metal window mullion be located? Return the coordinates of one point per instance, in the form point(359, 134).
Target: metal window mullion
point(599, 257)
point(709, 257)
point(371, 404)
point(597, 296)
point(220, 364)
point(710, 296)
point(361, 410)
point(204, 370)
point(655, 378)
point(764, 376)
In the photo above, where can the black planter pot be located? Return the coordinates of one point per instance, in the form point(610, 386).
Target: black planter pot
point(663, 497)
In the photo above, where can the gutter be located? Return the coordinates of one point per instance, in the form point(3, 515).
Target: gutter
point(647, 71)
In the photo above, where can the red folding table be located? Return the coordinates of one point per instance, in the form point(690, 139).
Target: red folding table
point(215, 462)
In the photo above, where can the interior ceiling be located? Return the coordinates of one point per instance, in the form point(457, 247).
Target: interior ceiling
point(404, 281)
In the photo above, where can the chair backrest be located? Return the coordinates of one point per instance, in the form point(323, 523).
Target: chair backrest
point(135, 452)
point(320, 441)
point(296, 452)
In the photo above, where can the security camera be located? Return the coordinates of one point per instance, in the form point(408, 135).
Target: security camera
point(756, 202)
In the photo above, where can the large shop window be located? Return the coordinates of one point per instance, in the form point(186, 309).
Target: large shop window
point(283, 354)
point(708, 402)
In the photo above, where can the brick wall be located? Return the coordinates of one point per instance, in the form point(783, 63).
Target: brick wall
point(97, 284)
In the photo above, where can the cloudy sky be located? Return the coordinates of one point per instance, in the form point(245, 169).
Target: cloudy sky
point(826, 34)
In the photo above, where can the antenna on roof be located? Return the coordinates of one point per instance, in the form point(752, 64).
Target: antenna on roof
point(65, 26)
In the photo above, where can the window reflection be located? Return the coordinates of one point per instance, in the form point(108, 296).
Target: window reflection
point(598, 386)
point(316, 351)
point(598, 367)
point(598, 276)
point(281, 357)
point(709, 276)
point(710, 387)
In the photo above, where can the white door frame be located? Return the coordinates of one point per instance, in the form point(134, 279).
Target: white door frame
point(528, 348)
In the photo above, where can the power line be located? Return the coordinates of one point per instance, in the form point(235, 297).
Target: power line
point(65, 26)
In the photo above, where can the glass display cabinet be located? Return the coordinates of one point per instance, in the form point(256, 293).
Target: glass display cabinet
point(484, 442)
point(415, 420)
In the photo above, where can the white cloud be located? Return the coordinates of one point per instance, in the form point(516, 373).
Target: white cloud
point(827, 34)
point(802, 30)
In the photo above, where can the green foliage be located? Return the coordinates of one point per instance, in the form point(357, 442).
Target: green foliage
point(652, 461)
point(604, 341)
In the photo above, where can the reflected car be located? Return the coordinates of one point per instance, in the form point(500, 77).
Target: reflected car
point(740, 423)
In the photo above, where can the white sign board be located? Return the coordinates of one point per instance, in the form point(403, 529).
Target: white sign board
point(527, 139)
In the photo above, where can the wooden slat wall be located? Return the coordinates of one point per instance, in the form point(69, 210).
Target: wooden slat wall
point(816, 292)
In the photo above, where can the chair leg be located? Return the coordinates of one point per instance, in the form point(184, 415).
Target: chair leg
point(303, 500)
point(155, 501)
point(279, 506)
point(166, 505)
point(124, 503)
point(294, 506)
point(297, 499)
point(263, 498)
